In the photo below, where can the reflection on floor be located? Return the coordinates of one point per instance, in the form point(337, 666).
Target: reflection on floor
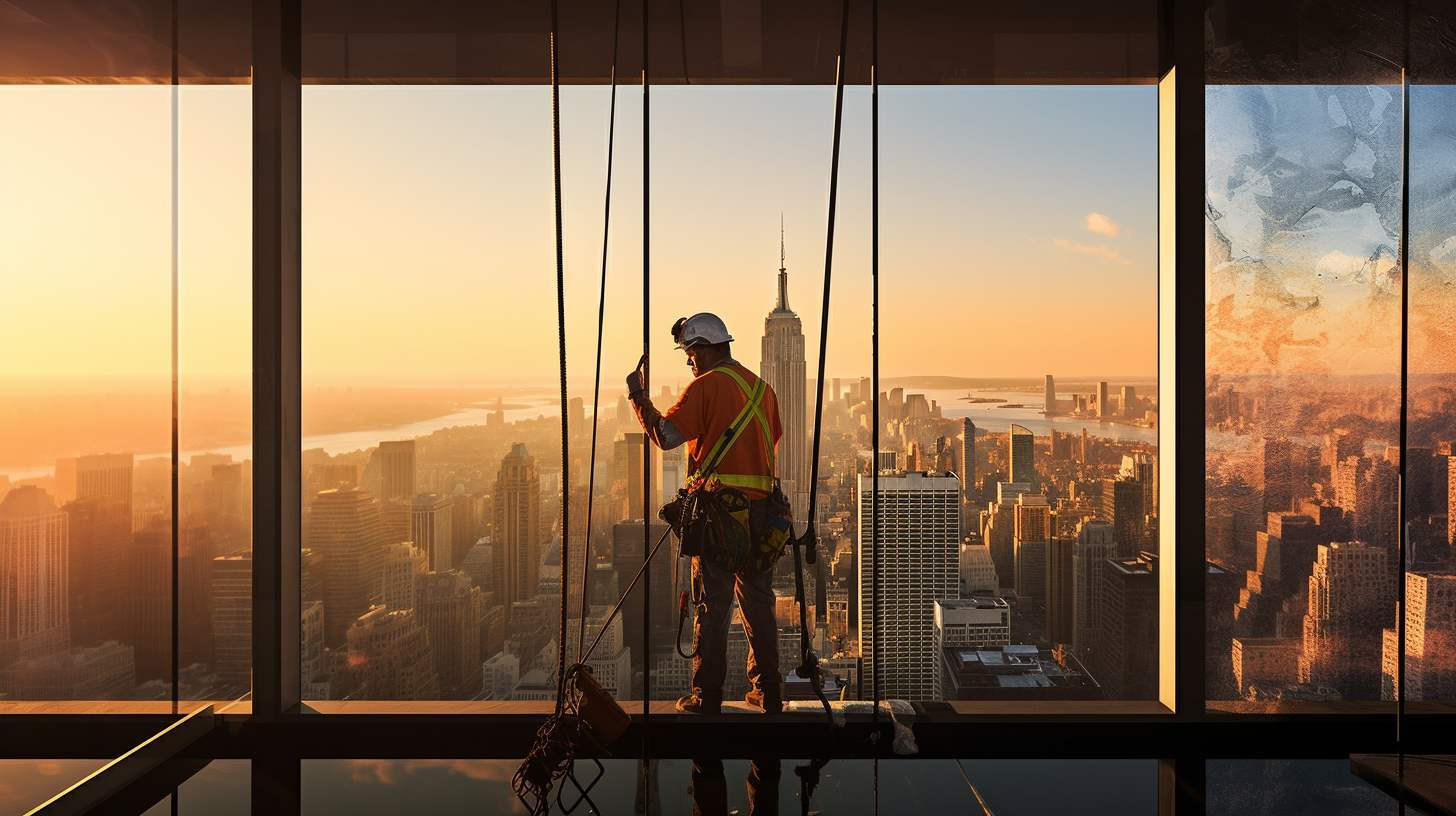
point(1291, 787)
point(741, 787)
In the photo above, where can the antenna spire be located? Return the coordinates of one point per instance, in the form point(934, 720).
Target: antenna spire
point(783, 271)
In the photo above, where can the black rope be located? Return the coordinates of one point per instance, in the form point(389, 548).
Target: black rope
point(176, 415)
point(591, 478)
point(874, 396)
point(561, 332)
point(810, 666)
point(646, 367)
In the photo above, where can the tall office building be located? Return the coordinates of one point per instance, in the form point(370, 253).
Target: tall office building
point(147, 600)
point(396, 470)
point(1430, 640)
point(1126, 655)
point(106, 474)
point(431, 518)
point(517, 537)
point(1122, 506)
point(232, 618)
point(1033, 531)
point(1023, 467)
point(1104, 410)
point(34, 619)
point(1059, 579)
point(627, 475)
point(1350, 601)
point(450, 611)
point(344, 534)
point(1129, 401)
point(1051, 396)
point(404, 566)
point(917, 558)
point(99, 532)
point(1096, 542)
point(782, 364)
point(970, 496)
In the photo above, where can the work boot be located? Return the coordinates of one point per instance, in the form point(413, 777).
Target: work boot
point(767, 703)
point(701, 702)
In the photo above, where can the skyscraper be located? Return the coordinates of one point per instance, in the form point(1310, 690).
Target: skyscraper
point(1051, 396)
point(970, 496)
point(450, 610)
point(517, 530)
point(430, 529)
point(1430, 639)
point(99, 533)
point(1126, 654)
point(918, 557)
point(782, 364)
point(232, 618)
point(1096, 542)
point(1023, 468)
point(344, 533)
point(106, 474)
point(1350, 601)
point(34, 619)
point(396, 470)
point(1103, 409)
point(627, 474)
point(1032, 534)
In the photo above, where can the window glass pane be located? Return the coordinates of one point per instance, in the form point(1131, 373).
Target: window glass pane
point(1302, 397)
point(1430, 610)
point(26, 784)
point(1291, 787)
point(1033, 211)
point(431, 451)
point(87, 224)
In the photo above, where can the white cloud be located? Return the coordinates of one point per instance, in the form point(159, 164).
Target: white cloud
point(1100, 250)
point(1097, 222)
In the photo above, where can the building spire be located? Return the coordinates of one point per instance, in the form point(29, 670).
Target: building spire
point(783, 271)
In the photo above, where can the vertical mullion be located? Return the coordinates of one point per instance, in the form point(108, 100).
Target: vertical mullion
point(1184, 28)
point(277, 149)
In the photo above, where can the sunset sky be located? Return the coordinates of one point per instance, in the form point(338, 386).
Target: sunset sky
point(1018, 232)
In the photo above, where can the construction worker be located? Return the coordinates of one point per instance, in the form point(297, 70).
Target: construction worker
point(720, 391)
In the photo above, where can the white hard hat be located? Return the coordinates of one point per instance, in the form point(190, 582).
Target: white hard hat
point(703, 328)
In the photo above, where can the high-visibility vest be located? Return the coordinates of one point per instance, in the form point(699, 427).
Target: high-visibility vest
point(752, 409)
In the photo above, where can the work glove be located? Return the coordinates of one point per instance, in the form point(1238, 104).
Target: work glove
point(637, 380)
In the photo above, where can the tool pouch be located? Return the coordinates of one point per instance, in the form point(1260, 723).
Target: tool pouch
point(771, 520)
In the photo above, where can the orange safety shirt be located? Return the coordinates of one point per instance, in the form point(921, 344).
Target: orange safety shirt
point(707, 407)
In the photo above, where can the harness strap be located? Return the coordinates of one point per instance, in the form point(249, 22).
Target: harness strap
point(751, 409)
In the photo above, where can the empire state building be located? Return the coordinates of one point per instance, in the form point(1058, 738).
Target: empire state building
point(782, 365)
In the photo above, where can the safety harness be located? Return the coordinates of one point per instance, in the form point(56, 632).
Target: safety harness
point(752, 409)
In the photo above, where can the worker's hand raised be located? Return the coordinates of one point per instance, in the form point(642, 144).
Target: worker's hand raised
point(637, 380)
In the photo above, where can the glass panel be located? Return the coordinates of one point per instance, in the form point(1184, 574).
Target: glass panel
point(1292, 787)
point(1430, 610)
point(431, 451)
point(85, 522)
point(1013, 787)
point(25, 784)
point(1302, 398)
point(223, 788)
point(1035, 209)
point(85, 440)
point(736, 201)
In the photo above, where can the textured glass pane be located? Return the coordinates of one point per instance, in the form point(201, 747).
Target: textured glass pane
point(1303, 209)
point(1430, 612)
point(1292, 787)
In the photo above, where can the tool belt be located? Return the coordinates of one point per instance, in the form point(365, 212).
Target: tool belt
point(737, 532)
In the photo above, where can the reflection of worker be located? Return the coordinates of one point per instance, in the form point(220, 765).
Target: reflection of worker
point(718, 394)
point(710, 788)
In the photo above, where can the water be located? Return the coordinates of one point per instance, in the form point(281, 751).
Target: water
point(996, 418)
